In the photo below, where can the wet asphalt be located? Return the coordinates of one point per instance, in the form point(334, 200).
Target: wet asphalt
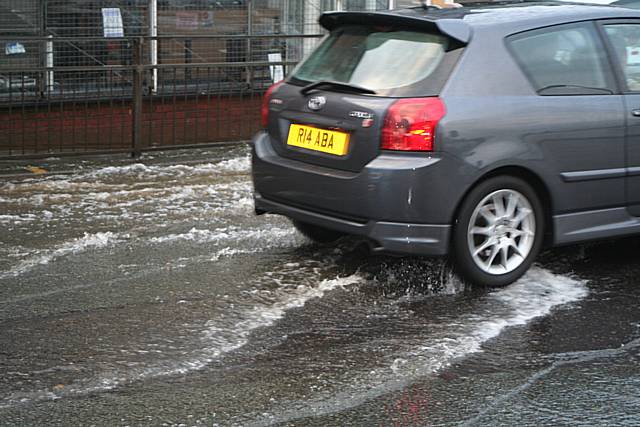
point(146, 293)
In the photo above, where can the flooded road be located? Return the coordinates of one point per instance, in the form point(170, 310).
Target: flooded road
point(148, 293)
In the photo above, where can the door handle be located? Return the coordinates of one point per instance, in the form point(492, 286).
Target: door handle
point(635, 113)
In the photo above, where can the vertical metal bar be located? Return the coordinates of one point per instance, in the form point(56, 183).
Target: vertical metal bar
point(150, 121)
point(36, 122)
point(185, 108)
point(73, 115)
point(97, 116)
point(174, 106)
point(162, 108)
point(11, 128)
point(23, 118)
point(48, 121)
point(98, 109)
point(87, 112)
point(61, 121)
point(43, 46)
point(153, 46)
point(138, 76)
point(392, 4)
point(196, 111)
point(112, 126)
point(49, 82)
point(248, 56)
point(218, 124)
point(208, 104)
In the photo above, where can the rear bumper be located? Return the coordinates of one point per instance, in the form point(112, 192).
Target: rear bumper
point(389, 237)
point(402, 203)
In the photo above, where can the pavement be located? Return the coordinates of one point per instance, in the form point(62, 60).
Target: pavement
point(146, 293)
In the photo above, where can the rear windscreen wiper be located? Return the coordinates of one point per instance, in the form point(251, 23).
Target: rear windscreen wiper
point(344, 87)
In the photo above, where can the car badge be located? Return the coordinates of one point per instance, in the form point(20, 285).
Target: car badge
point(361, 115)
point(317, 102)
point(367, 118)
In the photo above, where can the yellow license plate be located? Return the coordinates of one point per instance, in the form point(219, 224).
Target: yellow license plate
point(316, 139)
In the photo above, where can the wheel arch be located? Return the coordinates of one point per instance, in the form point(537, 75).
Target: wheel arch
point(531, 178)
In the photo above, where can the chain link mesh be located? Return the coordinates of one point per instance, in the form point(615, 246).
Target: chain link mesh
point(67, 70)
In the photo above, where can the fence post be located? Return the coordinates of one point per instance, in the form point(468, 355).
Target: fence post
point(249, 53)
point(49, 82)
point(138, 82)
point(153, 48)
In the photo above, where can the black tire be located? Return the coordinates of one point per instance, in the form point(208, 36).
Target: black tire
point(464, 237)
point(317, 233)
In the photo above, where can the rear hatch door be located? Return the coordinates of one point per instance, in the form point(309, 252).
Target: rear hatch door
point(330, 111)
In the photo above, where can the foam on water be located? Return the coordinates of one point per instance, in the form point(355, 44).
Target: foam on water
point(219, 339)
point(73, 195)
point(108, 182)
point(232, 233)
point(87, 242)
point(134, 208)
point(280, 239)
point(18, 218)
point(535, 295)
point(249, 241)
point(239, 164)
point(235, 165)
point(216, 337)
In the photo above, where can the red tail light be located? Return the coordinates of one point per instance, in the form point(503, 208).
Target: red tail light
point(265, 104)
point(410, 124)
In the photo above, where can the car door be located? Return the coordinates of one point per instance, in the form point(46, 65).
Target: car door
point(579, 114)
point(623, 40)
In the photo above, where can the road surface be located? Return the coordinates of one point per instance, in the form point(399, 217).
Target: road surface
point(147, 293)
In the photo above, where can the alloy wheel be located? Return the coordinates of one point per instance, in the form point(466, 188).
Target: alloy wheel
point(501, 232)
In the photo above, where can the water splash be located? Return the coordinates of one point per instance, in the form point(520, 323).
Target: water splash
point(535, 295)
point(89, 241)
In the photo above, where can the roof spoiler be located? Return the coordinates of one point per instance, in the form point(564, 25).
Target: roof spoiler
point(454, 28)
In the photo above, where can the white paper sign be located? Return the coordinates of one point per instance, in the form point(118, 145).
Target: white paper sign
point(14, 48)
point(112, 22)
point(277, 71)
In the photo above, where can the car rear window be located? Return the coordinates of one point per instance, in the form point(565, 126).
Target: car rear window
point(381, 60)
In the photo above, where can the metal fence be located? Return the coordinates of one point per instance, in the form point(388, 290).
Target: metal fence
point(169, 73)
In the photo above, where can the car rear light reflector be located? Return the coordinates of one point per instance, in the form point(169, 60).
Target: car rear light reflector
point(265, 103)
point(410, 124)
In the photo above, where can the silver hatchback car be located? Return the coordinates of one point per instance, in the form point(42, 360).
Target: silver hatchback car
point(482, 133)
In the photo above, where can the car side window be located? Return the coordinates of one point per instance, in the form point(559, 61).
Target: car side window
point(563, 60)
point(625, 40)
